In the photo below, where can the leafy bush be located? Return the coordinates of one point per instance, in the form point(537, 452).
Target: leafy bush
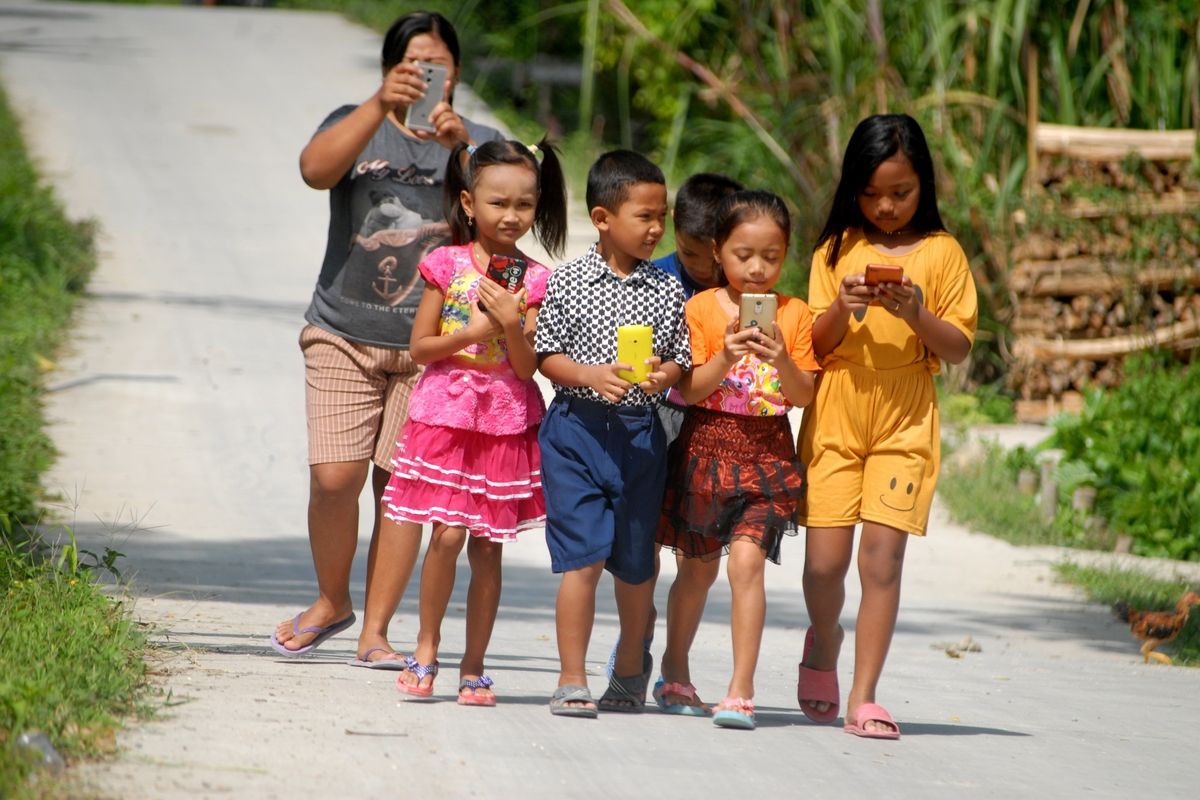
point(1139, 445)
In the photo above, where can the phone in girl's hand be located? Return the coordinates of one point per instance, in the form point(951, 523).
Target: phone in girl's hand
point(758, 311)
point(434, 77)
point(883, 273)
point(508, 271)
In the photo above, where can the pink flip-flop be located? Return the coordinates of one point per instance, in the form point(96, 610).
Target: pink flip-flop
point(817, 686)
point(473, 698)
point(871, 712)
point(322, 635)
point(420, 670)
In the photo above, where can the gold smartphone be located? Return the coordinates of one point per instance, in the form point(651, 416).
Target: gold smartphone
point(758, 311)
point(635, 344)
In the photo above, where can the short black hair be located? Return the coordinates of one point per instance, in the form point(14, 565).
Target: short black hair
point(612, 175)
point(395, 41)
point(697, 200)
point(875, 140)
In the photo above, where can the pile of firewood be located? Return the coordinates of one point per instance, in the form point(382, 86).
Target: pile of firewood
point(1106, 263)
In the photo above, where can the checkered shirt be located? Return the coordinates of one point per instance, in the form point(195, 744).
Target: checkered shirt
point(586, 302)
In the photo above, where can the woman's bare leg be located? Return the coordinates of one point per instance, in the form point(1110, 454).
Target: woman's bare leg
point(333, 537)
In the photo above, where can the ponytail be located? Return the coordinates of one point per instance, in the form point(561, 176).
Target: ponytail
point(455, 185)
point(550, 219)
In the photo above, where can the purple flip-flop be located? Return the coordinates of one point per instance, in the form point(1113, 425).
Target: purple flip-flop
point(322, 635)
point(393, 661)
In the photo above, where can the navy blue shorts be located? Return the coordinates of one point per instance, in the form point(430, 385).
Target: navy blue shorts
point(603, 471)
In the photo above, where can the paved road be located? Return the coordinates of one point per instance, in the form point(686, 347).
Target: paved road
point(178, 410)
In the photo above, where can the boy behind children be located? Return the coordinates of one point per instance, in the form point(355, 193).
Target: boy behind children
point(695, 214)
point(602, 444)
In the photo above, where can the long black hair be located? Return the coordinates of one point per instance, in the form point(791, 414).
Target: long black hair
point(875, 140)
point(550, 216)
point(395, 41)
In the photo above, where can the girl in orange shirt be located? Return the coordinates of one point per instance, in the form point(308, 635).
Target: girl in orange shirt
point(733, 478)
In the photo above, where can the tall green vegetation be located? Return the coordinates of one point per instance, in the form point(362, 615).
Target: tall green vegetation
point(70, 658)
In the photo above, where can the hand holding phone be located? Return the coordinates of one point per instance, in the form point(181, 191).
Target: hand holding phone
point(508, 271)
point(434, 78)
point(758, 311)
point(635, 344)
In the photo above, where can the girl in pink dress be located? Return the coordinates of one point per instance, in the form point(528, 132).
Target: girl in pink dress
point(467, 457)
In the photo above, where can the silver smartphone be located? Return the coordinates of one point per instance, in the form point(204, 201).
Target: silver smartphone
point(758, 311)
point(434, 76)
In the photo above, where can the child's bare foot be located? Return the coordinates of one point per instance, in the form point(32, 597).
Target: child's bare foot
point(475, 690)
point(291, 633)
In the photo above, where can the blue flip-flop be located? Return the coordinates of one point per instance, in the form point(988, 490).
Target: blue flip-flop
point(322, 635)
point(735, 712)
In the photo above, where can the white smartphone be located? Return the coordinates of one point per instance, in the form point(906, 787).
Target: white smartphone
point(434, 76)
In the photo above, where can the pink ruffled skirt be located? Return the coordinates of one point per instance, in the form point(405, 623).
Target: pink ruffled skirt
point(491, 485)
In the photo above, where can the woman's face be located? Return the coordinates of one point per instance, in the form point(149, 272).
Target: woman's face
point(889, 200)
point(430, 49)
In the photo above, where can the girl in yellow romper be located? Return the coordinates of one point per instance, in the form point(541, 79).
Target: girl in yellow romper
point(871, 438)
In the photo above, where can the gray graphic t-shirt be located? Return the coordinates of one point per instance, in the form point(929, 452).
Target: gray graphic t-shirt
point(385, 215)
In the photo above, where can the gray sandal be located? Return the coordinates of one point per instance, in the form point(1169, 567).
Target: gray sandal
point(571, 693)
point(625, 695)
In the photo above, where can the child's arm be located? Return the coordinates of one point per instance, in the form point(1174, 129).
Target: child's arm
point(331, 152)
point(505, 309)
point(943, 339)
point(428, 345)
point(603, 378)
point(830, 328)
point(796, 384)
point(703, 380)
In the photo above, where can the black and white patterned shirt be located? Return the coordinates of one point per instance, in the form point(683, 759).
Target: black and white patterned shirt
point(586, 302)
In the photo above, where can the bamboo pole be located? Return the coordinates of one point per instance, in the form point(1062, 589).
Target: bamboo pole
point(1180, 335)
point(1032, 112)
point(1114, 144)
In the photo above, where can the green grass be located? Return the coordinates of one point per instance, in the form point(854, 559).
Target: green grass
point(984, 497)
point(1141, 591)
point(70, 658)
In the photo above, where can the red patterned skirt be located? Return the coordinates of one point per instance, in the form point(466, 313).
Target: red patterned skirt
point(730, 476)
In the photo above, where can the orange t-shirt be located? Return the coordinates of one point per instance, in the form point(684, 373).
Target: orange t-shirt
point(939, 270)
point(751, 387)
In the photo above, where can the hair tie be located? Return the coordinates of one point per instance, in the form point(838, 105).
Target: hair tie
point(533, 148)
point(471, 149)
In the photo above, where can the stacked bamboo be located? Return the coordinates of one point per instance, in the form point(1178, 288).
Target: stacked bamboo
point(1107, 262)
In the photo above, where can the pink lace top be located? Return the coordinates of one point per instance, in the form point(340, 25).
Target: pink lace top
point(475, 389)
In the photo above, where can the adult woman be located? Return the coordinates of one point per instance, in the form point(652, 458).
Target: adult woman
point(385, 185)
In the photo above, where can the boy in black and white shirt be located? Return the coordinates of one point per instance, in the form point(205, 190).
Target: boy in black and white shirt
point(602, 444)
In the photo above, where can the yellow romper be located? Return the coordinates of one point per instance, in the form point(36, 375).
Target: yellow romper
point(871, 437)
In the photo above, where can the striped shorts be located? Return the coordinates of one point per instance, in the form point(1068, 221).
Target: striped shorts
point(356, 397)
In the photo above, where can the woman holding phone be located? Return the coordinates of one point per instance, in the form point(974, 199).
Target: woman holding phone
point(384, 178)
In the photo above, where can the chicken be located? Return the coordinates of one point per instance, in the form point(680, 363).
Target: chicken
point(1156, 628)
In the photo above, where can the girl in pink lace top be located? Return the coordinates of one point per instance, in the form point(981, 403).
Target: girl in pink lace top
point(467, 458)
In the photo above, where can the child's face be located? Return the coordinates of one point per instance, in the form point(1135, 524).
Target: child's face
point(696, 256)
point(503, 203)
point(889, 200)
point(637, 225)
point(752, 257)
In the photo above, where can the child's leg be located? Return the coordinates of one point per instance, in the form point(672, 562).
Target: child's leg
point(633, 608)
point(483, 600)
point(685, 607)
point(574, 615)
point(826, 562)
point(390, 562)
point(880, 563)
point(745, 570)
point(437, 584)
point(333, 535)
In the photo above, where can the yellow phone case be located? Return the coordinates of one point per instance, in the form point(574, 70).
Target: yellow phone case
point(635, 343)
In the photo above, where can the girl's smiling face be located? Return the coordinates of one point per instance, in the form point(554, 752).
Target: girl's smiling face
point(889, 200)
point(752, 256)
